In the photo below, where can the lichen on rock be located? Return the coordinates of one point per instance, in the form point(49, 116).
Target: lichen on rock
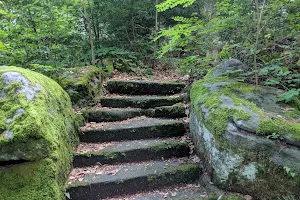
point(37, 130)
point(233, 124)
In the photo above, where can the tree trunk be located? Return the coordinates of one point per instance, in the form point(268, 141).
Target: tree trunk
point(258, 31)
point(88, 21)
point(156, 30)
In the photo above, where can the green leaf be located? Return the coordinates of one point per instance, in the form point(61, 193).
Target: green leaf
point(289, 95)
point(67, 194)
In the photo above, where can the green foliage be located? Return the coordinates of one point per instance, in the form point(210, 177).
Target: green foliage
point(55, 33)
point(173, 3)
point(274, 136)
point(39, 32)
point(46, 70)
point(196, 66)
point(290, 95)
point(274, 75)
point(238, 29)
point(114, 58)
point(290, 172)
point(122, 24)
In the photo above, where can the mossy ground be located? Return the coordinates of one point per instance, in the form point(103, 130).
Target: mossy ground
point(48, 123)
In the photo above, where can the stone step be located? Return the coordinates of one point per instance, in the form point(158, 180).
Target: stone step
point(130, 151)
point(110, 115)
point(186, 192)
point(145, 128)
point(140, 101)
point(105, 181)
point(144, 88)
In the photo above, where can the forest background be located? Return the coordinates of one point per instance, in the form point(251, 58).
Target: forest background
point(138, 35)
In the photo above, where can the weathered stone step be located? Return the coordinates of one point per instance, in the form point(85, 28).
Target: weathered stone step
point(186, 192)
point(144, 88)
point(106, 115)
point(135, 130)
point(132, 151)
point(115, 180)
point(140, 101)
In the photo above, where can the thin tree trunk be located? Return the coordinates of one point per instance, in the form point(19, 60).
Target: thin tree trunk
point(258, 31)
point(256, 5)
point(156, 30)
point(88, 21)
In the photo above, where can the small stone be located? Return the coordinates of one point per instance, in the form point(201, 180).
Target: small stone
point(248, 197)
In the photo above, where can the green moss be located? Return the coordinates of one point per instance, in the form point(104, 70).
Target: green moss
point(149, 178)
point(224, 197)
point(45, 134)
point(80, 119)
point(110, 155)
point(170, 111)
point(161, 146)
point(219, 117)
point(293, 113)
point(34, 181)
point(184, 168)
point(231, 197)
point(172, 83)
point(218, 120)
point(211, 101)
point(279, 126)
point(106, 155)
point(79, 83)
point(271, 180)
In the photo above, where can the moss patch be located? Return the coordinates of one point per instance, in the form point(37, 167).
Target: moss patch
point(224, 197)
point(83, 84)
point(162, 146)
point(271, 181)
point(279, 126)
point(219, 117)
point(44, 134)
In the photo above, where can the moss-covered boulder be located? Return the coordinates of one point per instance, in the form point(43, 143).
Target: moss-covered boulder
point(83, 84)
point(37, 136)
point(248, 141)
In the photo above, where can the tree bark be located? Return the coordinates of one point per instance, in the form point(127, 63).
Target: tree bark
point(156, 30)
point(258, 31)
point(88, 21)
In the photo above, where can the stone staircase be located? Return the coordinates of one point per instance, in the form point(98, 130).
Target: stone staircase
point(131, 154)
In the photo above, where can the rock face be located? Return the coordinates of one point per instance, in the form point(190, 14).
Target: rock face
point(83, 84)
point(37, 136)
point(248, 142)
point(232, 64)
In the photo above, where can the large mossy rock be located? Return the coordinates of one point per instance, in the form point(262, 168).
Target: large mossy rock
point(249, 142)
point(83, 84)
point(37, 136)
